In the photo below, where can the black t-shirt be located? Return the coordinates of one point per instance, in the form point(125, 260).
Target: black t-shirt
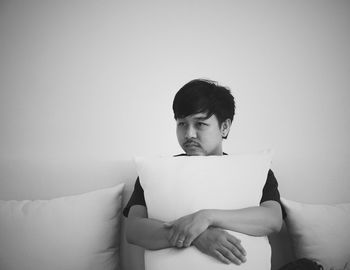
point(270, 193)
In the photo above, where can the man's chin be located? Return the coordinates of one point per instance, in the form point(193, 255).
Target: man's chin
point(194, 152)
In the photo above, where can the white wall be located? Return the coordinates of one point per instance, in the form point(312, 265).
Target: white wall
point(94, 80)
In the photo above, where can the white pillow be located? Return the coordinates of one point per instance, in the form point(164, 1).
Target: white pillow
point(177, 186)
point(78, 232)
point(320, 232)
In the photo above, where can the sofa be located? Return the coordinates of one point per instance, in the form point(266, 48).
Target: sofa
point(43, 188)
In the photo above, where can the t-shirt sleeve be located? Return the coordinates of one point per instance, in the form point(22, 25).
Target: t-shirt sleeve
point(137, 198)
point(271, 193)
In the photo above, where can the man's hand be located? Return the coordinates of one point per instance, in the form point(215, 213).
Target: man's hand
point(221, 245)
point(185, 229)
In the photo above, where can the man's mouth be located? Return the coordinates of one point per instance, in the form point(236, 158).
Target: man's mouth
point(191, 144)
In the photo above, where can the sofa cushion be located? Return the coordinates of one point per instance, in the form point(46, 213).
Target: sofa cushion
point(75, 232)
point(320, 232)
point(177, 186)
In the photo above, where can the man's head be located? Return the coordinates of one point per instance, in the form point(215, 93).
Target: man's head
point(204, 112)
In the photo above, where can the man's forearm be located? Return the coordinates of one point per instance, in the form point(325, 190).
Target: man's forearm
point(153, 234)
point(255, 221)
point(147, 233)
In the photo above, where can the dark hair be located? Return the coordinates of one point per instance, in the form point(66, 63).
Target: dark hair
point(204, 96)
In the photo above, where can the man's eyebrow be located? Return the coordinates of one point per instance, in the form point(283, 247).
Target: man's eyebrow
point(202, 118)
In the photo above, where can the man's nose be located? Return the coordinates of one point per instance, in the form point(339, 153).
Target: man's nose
point(190, 132)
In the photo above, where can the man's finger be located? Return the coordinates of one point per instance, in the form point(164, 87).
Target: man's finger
point(220, 257)
point(180, 242)
point(189, 239)
point(236, 252)
point(233, 240)
point(230, 256)
point(187, 243)
point(237, 243)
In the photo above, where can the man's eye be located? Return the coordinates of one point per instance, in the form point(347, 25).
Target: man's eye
point(202, 124)
point(180, 124)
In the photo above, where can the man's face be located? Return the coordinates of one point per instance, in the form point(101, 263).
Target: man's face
point(199, 135)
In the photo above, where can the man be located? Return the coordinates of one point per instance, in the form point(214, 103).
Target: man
point(204, 112)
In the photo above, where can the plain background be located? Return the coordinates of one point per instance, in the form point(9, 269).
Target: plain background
point(93, 81)
point(87, 85)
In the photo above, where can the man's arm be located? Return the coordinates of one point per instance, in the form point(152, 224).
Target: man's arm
point(144, 232)
point(135, 258)
point(153, 235)
point(256, 221)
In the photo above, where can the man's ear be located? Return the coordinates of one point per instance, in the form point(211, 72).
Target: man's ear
point(225, 128)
